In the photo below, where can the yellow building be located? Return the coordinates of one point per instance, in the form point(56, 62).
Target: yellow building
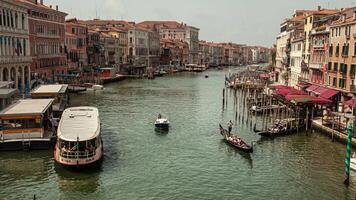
point(312, 17)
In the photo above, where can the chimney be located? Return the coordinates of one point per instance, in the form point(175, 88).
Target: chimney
point(41, 2)
point(343, 17)
point(56, 7)
point(50, 6)
point(319, 8)
point(36, 2)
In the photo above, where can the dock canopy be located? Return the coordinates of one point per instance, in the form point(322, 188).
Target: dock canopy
point(27, 107)
point(50, 89)
point(289, 91)
point(305, 99)
point(312, 88)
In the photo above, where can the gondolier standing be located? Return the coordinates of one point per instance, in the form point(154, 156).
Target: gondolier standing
point(229, 125)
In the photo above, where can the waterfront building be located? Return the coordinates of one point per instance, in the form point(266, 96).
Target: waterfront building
point(138, 50)
point(296, 57)
point(309, 23)
point(76, 44)
point(283, 47)
point(177, 31)
point(110, 52)
point(95, 49)
point(228, 54)
point(216, 51)
point(15, 59)
point(204, 56)
point(342, 53)
point(319, 49)
point(282, 54)
point(174, 53)
point(47, 35)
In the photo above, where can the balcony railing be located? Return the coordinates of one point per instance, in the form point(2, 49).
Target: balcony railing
point(77, 154)
point(15, 59)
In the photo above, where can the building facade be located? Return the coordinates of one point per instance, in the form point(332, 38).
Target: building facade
point(47, 36)
point(76, 44)
point(342, 53)
point(15, 59)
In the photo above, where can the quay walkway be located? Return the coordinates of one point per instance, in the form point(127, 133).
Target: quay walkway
point(335, 135)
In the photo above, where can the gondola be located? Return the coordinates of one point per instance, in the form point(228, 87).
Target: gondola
point(283, 128)
point(232, 140)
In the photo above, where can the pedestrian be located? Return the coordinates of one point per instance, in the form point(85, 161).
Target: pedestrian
point(229, 125)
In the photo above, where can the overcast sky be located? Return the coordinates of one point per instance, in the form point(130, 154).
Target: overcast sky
point(254, 22)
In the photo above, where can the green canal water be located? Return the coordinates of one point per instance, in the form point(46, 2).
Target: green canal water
point(190, 162)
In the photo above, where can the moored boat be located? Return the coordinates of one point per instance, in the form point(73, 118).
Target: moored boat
point(79, 140)
point(206, 75)
point(235, 141)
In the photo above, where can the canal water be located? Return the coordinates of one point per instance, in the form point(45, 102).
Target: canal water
point(190, 162)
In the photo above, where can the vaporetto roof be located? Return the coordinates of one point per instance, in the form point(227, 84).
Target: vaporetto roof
point(79, 124)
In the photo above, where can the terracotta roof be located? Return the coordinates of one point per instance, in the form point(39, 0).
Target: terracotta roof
point(163, 24)
point(97, 22)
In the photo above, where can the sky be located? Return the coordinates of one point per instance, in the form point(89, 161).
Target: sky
point(252, 22)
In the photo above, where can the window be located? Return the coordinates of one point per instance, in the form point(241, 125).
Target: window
point(332, 32)
point(355, 49)
point(334, 81)
point(342, 83)
point(353, 70)
point(335, 67)
point(337, 50)
point(331, 50)
point(329, 66)
point(310, 20)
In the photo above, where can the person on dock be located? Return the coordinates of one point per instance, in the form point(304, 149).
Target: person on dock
point(159, 116)
point(229, 125)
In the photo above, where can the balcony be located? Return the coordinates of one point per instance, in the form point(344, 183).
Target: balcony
point(15, 59)
point(347, 37)
point(315, 65)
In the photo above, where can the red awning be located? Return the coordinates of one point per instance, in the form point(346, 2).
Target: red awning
point(312, 88)
point(329, 93)
point(320, 90)
point(351, 103)
point(265, 76)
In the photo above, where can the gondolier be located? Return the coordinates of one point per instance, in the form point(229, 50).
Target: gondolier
point(229, 125)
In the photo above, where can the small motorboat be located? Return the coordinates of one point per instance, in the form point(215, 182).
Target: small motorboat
point(162, 123)
point(97, 87)
point(235, 141)
point(206, 75)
